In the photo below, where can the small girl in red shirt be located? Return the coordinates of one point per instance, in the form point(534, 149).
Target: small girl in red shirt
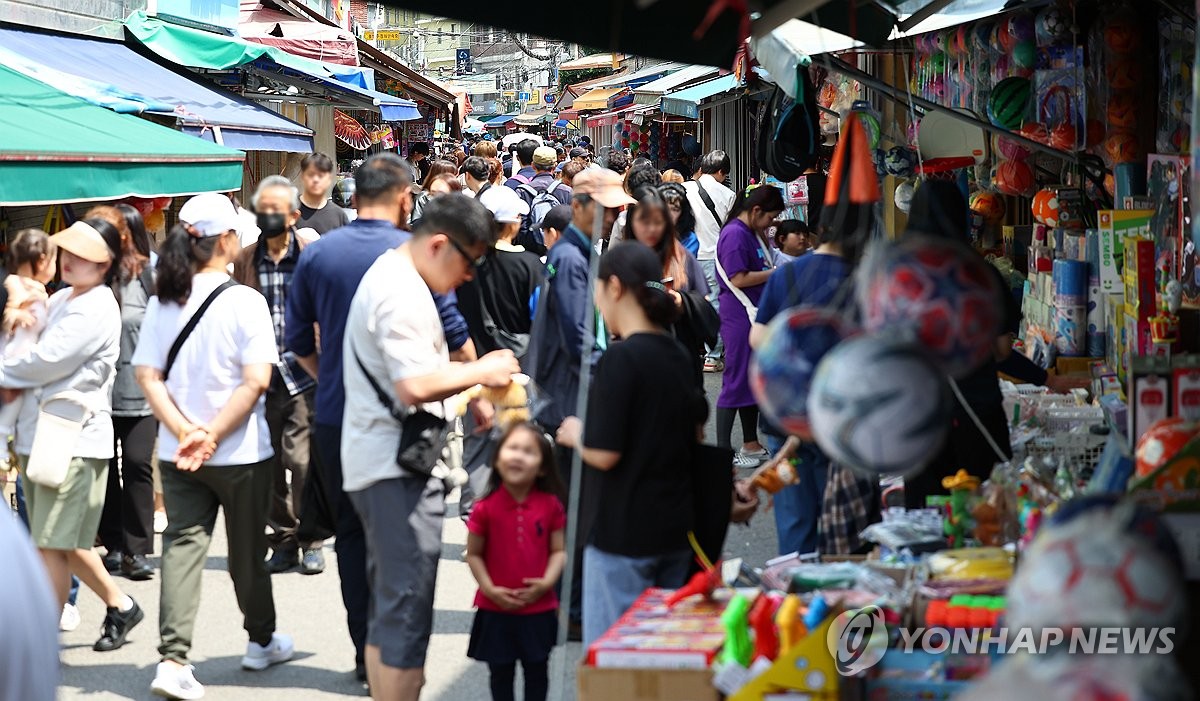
point(515, 551)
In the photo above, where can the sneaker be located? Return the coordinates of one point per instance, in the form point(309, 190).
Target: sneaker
point(116, 627)
point(745, 461)
point(714, 365)
point(137, 567)
point(282, 560)
point(69, 620)
point(160, 521)
point(259, 658)
point(174, 682)
point(112, 561)
point(313, 561)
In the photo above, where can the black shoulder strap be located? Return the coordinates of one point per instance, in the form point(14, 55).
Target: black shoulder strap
point(191, 326)
point(384, 398)
point(708, 202)
point(148, 280)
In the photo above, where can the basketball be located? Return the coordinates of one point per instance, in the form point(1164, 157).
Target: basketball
point(1121, 36)
point(1063, 137)
point(1008, 102)
point(879, 406)
point(936, 293)
point(988, 205)
point(1121, 146)
point(1010, 149)
point(1014, 178)
point(1046, 209)
point(782, 368)
point(1121, 111)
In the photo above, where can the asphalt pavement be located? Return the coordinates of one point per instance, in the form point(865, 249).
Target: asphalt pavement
point(309, 608)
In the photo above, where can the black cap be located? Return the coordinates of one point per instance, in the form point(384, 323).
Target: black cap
point(558, 218)
point(578, 152)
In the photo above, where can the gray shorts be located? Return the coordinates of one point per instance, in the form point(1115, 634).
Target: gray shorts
point(402, 520)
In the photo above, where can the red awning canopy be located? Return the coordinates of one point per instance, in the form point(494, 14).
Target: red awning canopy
point(296, 36)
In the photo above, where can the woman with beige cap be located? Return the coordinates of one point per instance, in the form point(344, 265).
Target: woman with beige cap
point(76, 358)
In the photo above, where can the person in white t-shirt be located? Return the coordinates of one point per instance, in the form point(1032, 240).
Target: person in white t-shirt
point(714, 169)
point(394, 346)
point(206, 389)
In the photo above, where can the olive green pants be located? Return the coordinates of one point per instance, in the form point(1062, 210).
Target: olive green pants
point(192, 500)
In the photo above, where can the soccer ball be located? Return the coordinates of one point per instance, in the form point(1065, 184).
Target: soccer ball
point(904, 197)
point(1161, 442)
point(1091, 571)
point(1052, 26)
point(879, 405)
point(1046, 208)
point(900, 161)
point(936, 293)
point(782, 369)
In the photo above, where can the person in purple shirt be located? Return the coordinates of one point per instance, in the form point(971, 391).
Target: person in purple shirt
point(744, 264)
point(323, 284)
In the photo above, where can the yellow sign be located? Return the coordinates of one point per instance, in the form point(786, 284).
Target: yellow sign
point(510, 93)
point(535, 97)
point(382, 35)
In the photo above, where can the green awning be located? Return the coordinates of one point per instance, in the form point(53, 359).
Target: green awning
point(58, 148)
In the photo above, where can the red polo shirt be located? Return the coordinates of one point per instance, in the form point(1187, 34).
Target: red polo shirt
point(517, 542)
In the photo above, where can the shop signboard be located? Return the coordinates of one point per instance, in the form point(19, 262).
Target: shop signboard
point(523, 97)
point(420, 132)
point(211, 15)
point(462, 61)
point(382, 35)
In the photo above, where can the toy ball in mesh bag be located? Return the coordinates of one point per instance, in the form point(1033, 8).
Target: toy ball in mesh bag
point(1051, 26)
point(904, 197)
point(900, 161)
point(987, 205)
point(936, 292)
point(1093, 570)
point(782, 369)
point(879, 405)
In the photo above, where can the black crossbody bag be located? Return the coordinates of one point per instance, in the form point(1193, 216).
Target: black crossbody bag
point(191, 325)
point(422, 435)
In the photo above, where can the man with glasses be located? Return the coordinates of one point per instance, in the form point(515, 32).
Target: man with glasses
point(563, 329)
point(324, 282)
point(394, 340)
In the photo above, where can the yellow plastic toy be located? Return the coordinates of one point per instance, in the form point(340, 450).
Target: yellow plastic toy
point(807, 667)
point(511, 402)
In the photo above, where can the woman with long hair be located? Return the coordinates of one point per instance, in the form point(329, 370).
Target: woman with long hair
point(643, 424)
point(744, 264)
point(650, 223)
point(204, 359)
point(682, 216)
point(77, 354)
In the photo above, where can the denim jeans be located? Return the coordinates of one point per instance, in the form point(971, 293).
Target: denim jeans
point(798, 507)
point(23, 514)
point(714, 292)
point(611, 583)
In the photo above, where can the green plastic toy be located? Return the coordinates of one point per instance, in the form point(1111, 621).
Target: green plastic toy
point(736, 619)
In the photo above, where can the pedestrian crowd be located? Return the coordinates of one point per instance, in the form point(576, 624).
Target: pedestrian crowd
point(273, 375)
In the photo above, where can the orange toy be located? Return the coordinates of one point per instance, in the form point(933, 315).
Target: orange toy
point(988, 205)
point(1121, 74)
point(1161, 442)
point(1121, 146)
point(1035, 131)
point(1122, 110)
point(1063, 137)
point(1121, 37)
point(1046, 209)
point(1095, 132)
point(1013, 178)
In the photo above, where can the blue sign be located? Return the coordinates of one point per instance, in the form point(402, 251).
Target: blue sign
point(523, 97)
point(462, 60)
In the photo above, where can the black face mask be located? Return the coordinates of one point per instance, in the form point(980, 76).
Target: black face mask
point(272, 225)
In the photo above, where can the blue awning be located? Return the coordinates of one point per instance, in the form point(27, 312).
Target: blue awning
point(561, 124)
point(686, 103)
point(499, 121)
point(111, 75)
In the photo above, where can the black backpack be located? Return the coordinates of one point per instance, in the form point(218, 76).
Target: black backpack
point(789, 131)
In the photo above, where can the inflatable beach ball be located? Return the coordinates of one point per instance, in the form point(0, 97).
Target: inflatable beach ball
point(936, 293)
point(1009, 101)
point(879, 406)
point(782, 369)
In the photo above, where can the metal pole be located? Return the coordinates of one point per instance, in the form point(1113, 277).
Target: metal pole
point(839, 66)
point(581, 402)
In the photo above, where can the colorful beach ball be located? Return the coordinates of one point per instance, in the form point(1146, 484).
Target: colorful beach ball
point(783, 366)
point(935, 292)
point(1009, 101)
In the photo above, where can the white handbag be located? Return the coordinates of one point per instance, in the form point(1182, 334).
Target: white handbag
point(60, 422)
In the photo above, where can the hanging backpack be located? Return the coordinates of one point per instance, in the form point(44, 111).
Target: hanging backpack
point(789, 131)
point(540, 204)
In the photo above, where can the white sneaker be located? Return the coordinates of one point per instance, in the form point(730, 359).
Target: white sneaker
point(160, 521)
point(69, 620)
point(174, 682)
point(259, 658)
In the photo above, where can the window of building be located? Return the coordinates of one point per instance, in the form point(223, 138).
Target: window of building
point(439, 36)
point(453, 28)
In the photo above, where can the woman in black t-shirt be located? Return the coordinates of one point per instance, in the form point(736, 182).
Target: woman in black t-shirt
point(644, 419)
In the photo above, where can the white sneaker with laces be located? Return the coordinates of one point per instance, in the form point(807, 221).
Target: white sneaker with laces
point(174, 682)
point(69, 620)
point(259, 658)
point(160, 521)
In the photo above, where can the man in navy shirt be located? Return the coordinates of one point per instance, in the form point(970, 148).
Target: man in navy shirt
point(524, 152)
point(324, 283)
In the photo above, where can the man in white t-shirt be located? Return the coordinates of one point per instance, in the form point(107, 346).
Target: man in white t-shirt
point(711, 209)
point(395, 352)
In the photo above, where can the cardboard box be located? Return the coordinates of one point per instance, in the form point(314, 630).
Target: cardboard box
point(1115, 227)
point(595, 684)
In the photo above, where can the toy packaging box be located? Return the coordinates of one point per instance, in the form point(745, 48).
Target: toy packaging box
point(651, 636)
point(1115, 226)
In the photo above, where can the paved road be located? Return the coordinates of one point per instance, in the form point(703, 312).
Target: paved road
point(310, 609)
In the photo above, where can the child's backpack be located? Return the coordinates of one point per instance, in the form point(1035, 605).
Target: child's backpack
point(789, 131)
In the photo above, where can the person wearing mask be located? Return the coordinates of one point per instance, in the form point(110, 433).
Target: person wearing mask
point(214, 445)
point(394, 336)
point(650, 225)
point(711, 201)
point(744, 264)
point(127, 522)
point(563, 330)
point(523, 153)
point(418, 161)
point(682, 218)
point(268, 267)
point(77, 352)
point(644, 418)
point(325, 280)
point(317, 211)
